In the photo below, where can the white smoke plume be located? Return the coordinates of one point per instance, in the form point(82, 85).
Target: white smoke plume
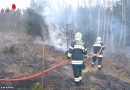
point(57, 37)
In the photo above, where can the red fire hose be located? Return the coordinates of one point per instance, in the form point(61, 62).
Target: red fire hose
point(41, 73)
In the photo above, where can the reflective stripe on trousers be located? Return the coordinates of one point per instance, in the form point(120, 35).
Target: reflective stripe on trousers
point(77, 62)
point(78, 79)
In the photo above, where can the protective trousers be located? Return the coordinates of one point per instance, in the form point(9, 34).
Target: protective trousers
point(99, 60)
point(77, 71)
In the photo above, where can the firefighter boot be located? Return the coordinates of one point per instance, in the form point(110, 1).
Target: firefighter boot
point(78, 83)
point(93, 64)
point(99, 67)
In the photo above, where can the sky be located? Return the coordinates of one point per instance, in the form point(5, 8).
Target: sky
point(57, 4)
point(75, 3)
point(19, 3)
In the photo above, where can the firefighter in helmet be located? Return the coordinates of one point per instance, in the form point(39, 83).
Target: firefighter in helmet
point(98, 47)
point(76, 54)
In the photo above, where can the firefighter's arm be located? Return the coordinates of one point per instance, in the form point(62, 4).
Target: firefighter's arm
point(85, 51)
point(95, 54)
point(69, 54)
point(103, 47)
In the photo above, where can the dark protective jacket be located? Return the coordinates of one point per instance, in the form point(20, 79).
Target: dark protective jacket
point(76, 52)
point(97, 48)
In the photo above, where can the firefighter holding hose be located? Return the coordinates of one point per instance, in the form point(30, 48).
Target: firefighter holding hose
point(98, 48)
point(76, 54)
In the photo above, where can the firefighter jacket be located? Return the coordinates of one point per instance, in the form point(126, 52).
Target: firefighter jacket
point(76, 52)
point(97, 47)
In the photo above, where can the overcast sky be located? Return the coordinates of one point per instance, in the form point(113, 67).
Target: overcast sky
point(55, 4)
point(19, 3)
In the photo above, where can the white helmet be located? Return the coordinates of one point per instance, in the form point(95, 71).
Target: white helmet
point(98, 39)
point(78, 36)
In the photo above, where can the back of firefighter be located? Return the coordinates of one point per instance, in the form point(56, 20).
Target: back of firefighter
point(98, 47)
point(76, 54)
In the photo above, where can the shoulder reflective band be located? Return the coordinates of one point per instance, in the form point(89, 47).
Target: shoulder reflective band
point(78, 46)
point(103, 46)
point(97, 44)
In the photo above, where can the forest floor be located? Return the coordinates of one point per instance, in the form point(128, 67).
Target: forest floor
point(20, 60)
point(115, 75)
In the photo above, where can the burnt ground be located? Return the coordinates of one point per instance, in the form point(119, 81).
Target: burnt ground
point(25, 59)
point(107, 79)
point(115, 75)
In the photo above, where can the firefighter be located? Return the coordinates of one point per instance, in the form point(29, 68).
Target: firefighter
point(98, 46)
point(76, 54)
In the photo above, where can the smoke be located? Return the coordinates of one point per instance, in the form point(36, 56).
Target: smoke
point(38, 23)
point(104, 20)
point(57, 35)
point(34, 22)
point(103, 24)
